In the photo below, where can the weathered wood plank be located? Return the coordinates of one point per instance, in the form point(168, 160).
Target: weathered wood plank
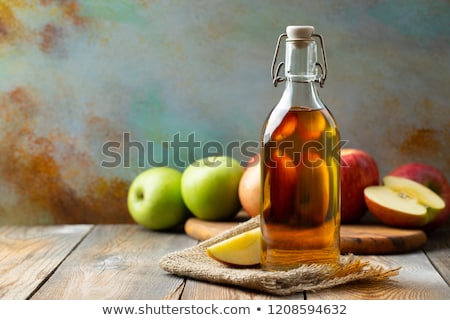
point(209, 291)
point(28, 255)
point(417, 280)
point(438, 250)
point(117, 262)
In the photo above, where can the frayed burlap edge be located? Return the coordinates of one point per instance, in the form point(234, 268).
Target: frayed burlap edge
point(194, 263)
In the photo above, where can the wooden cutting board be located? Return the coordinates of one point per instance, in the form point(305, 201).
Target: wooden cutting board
point(358, 239)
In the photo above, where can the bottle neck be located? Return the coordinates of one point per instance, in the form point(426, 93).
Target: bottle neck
point(301, 75)
point(300, 62)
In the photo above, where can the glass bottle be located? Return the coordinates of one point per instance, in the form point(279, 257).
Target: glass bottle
point(300, 171)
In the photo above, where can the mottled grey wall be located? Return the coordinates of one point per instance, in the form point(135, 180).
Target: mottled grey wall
point(75, 75)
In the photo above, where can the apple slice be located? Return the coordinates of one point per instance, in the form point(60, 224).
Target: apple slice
point(241, 250)
point(402, 202)
point(415, 190)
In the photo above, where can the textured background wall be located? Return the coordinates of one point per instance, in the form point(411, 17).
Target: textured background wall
point(76, 74)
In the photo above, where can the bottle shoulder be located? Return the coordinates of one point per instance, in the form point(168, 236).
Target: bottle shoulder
point(298, 118)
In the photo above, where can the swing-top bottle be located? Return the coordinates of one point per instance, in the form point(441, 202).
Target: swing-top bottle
point(300, 153)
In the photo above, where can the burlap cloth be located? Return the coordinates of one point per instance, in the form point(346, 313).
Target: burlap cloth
point(194, 263)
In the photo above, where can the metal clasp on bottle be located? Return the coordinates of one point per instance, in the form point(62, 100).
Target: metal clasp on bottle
point(323, 69)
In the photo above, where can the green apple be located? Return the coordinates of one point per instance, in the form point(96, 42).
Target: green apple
point(154, 199)
point(210, 187)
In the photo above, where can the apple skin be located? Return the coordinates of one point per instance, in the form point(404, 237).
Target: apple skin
point(279, 187)
point(395, 218)
point(154, 199)
point(432, 178)
point(209, 188)
point(358, 171)
point(286, 127)
point(312, 203)
point(250, 188)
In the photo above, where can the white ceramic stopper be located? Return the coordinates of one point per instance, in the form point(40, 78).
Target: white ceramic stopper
point(299, 32)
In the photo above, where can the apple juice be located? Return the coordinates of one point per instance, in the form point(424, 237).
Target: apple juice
point(300, 180)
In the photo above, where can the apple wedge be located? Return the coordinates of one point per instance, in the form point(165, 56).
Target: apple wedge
point(402, 202)
point(241, 250)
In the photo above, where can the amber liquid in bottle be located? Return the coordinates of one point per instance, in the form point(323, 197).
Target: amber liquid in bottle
point(301, 189)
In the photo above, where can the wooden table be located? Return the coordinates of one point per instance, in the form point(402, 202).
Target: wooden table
point(120, 262)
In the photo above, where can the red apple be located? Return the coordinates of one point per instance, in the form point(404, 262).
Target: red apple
point(250, 187)
point(281, 171)
point(358, 171)
point(432, 178)
point(313, 191)
point(279, 187)
point(286, 127)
